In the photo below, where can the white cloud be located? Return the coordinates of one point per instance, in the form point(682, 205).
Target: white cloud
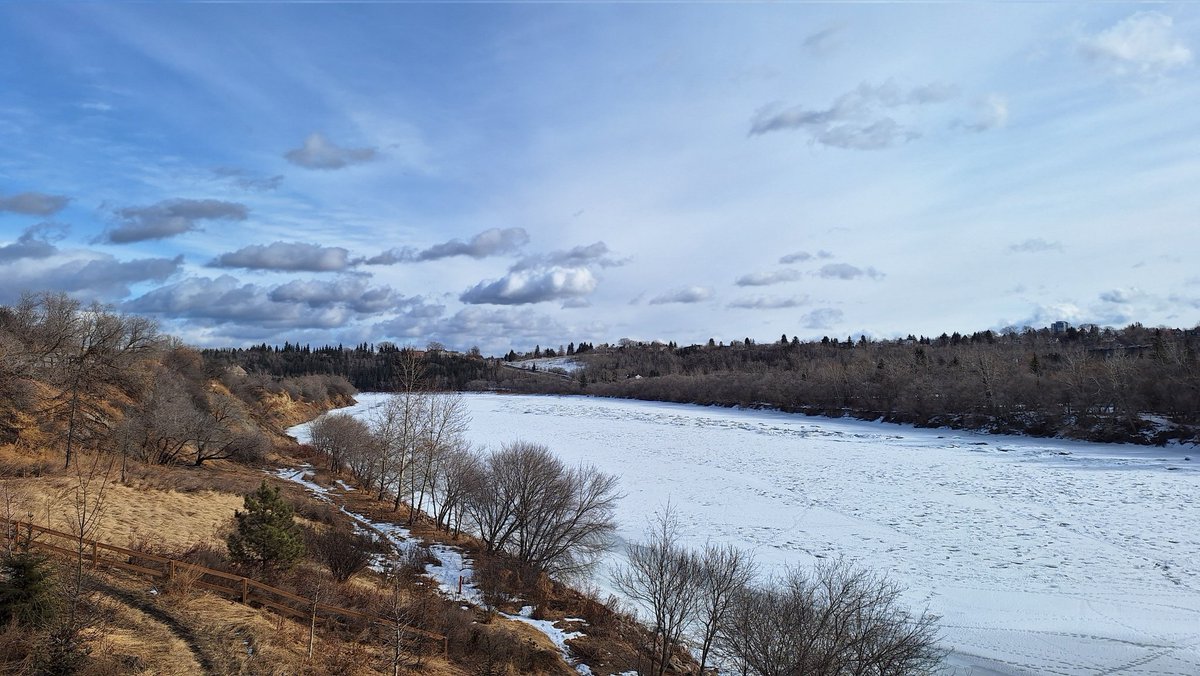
point(171, 217)
point(1035, 245)
point(769, 302)
point(847, 271)
point(526, 286)
point(856, 120)
point(1141, 44)
point(490, 242)
point(319, 152)
point(690, 294)
point(33, 203)
point(84, 274)
point(768, 278)
point(821, 318)
point(990, 113)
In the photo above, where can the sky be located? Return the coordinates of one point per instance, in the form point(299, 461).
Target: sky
point(510, 175)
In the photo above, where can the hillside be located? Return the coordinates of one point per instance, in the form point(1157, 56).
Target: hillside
point(114, 434)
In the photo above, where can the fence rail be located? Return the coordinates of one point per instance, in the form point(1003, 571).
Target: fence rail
point(244, 589)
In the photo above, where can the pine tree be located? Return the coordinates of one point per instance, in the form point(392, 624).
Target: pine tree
point(26, 590)
point(266, 534)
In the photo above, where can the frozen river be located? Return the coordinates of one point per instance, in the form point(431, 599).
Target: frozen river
point(1040, 556)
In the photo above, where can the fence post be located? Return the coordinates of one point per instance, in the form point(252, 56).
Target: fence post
point(245, 590)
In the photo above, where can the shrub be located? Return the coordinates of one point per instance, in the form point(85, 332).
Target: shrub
point(27, 590)
point(344, 552)
point(266, 533)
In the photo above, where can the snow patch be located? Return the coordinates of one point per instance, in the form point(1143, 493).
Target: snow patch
point(564, 364)
point(558, 637)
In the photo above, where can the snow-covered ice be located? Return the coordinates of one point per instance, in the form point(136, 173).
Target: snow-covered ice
point(1042, 556)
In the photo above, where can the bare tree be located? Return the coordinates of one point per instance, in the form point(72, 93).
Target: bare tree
point(397, 429)
point(553, 519)
point(220, 432)
point(461, 474)
point(83, 350)
point(349, 444)
point(724, 570)
point(664, 578)
point(445, 422)
point(88, 496)
point(836, 620)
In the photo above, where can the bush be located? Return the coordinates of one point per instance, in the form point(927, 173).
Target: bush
point(27, 590)
point(266, 533)
point(344, 552)
point(836, 620)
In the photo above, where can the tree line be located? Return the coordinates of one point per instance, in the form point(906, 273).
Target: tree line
point(1135, 384)
point(369, 367)
point(1094, 384)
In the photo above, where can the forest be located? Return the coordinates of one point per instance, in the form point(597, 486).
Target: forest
point(1135, 384)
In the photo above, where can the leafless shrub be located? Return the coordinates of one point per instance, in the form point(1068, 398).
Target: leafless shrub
point(345, 553)
point(837, 620)
point(724, 571)
point(663, 577)
point(342, 439)
point(550, 518)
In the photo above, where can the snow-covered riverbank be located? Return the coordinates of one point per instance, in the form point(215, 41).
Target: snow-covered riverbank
point(1041, 556)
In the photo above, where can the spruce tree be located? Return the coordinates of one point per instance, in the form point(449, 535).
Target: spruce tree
point(266, 534)
point(26, 590)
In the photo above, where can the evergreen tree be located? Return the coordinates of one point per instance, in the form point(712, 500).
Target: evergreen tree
point(26, 590)
point(266, 534)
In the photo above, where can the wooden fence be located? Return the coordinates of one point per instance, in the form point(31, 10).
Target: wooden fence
point(248, 591)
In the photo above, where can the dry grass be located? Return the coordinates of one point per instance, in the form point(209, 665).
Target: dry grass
point(132, 515)
point(136, 643)
point(259, 643)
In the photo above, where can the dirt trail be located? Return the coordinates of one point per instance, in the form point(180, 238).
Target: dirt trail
point(202, 654)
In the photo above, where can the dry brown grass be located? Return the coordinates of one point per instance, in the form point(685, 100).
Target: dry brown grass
point(135, 643)
point(259, 643)
point(132, 515)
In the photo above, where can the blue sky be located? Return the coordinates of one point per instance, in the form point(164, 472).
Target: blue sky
point(508, 175)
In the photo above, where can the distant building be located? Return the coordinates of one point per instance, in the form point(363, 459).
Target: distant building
point(1059, 327)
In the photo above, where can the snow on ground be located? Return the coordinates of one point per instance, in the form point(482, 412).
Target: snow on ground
point(451, 570)
point(451, 564)
point(557, 636)
point(564, 364)
point(298, 475)
point(1042, 556)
